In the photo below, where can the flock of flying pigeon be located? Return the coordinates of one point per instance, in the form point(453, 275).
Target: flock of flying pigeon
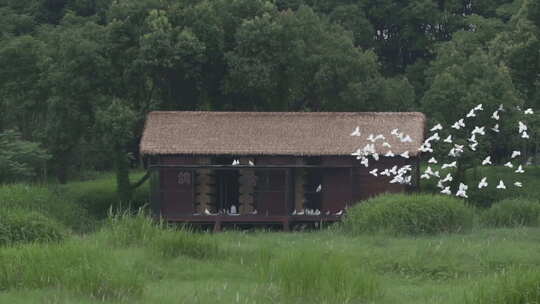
point(402, 175)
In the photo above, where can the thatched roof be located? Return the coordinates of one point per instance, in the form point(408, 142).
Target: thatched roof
point(276, 133)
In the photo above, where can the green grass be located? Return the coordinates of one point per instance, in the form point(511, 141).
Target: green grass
point(131, 259)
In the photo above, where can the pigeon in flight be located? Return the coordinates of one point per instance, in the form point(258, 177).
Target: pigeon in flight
point(251, 163)
point(374, 172)
point(522, 127)
point(436, 127)
point(407, 138)
point(518, 184)
point(520, 169)
point(432, 160)
point(448, 139)
point(450, 165)
point(525, 135)
point(446, 191)
point(516, 154)
point(486, 161)
point(462, 191)
point(471, 114)
point(501, 185)
point(483, 183)
point(389, 154)
point(529, 111)
point(496, 128)
point(356, 132)
point(509, 165)
point(387, 145)
point(495, 115)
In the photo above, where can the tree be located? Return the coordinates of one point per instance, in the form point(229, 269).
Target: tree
point(19, 159)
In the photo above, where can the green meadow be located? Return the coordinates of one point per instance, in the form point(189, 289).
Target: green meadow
point(57, 246)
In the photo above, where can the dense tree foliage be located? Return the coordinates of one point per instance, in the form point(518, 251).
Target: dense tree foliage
point(79, 76)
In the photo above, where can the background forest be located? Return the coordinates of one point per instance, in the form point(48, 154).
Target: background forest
point(77, 77)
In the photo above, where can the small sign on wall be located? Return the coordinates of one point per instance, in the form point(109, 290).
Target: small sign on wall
point(184, 178)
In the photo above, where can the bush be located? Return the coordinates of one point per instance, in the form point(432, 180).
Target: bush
point(409, 214)
point(22, 226)
point(98, 196)
point(42, 200)
point(322, 277)
point(516, 286)
point(75, 266)
point(512, 213)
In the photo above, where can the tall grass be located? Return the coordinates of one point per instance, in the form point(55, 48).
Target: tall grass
point(322, 277)
point(124, 230)
point(78, 267)
point(409, 214)
point(513, 213)
point(514, 286)
point(43, 200)
point(20, 226)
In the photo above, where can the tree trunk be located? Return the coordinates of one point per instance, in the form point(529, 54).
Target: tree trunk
point(122, 175)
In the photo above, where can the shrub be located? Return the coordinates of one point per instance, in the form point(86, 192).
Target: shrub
point(512, 212)
point(23, 226)
point(75, 266)
point(45, 201)
point(516, 286)
point(98, 196)
point(322, 277)
point(409, 214)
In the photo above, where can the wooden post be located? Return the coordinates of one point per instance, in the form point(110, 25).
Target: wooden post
point(247, 181)
point(205, 186)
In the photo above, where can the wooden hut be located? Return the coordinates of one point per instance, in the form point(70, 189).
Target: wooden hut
point(288, 166)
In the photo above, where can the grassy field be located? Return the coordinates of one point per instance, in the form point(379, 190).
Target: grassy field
point(129, 259)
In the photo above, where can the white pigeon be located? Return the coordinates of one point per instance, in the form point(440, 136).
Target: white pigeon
point(434, 137)
point(529, 111)
point(375, 156)
point(356, 132)
point(501, 185)
point(462, 191)
point(519, 169)
point(319, 188)
point(461, 123)
point(340, 212)
point(407, 138)
point(395, 132)
point(495, 115)
point(425, 176)
point(495, 128)
point(432, 160)
point(483, 183)
point(446, 191)
point(509, 165)
point(251, 163)
point(479, 108)
point(479, 130)
point(456, 126)
point(365, 162)
point(448, 139)
point(389, 154)
point(428, 171)
point(450, 165)
point(501, 107)
point(393, 170)
point(471, 114)
point(380, 136)
point(472, 138)
point(473, 146)
point(453, 153)
point(374, 172)
point(405, 154)
point(518, 184)
point(516, 154)
point(207, 212)
point(436, 174)
point(236, 162)
point(440, 185)
point(436, 127)
point(385, 172)
point(448, 178)
point(486, 161)
point(525, 135)
point(371, 138)
point(522, 127)
point(385, 144)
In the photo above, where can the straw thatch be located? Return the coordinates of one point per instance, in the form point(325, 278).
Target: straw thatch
point(276, 133)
